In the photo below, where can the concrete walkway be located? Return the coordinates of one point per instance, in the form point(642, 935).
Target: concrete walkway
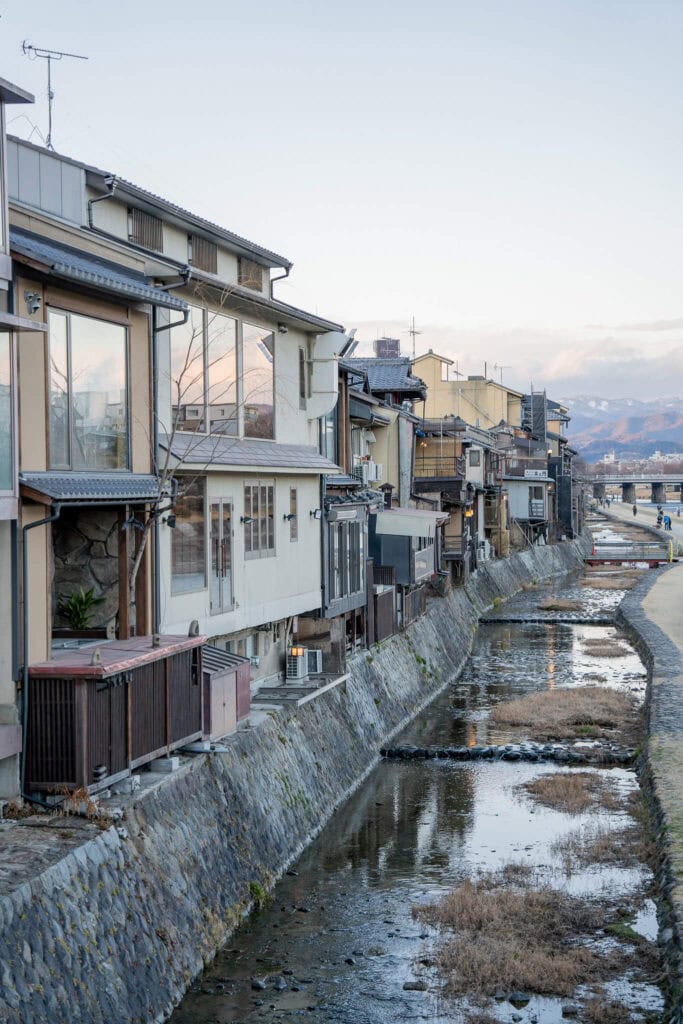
point(654, 611)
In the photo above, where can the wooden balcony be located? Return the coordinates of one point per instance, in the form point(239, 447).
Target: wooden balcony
point(439, 472)
point(94, 717)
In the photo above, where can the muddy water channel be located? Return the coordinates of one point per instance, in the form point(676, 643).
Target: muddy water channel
point(348, 935)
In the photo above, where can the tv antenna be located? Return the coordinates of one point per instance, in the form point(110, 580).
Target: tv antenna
point(32, 52)
point(413, 332)
point(499, 366)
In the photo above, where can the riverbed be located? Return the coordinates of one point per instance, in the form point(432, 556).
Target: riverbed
point(338, 940)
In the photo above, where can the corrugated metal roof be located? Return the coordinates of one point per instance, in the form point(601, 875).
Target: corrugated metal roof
point(389, 374)
point(214, 659)
point(215, 450)
point(76, 265)
point(93, 487)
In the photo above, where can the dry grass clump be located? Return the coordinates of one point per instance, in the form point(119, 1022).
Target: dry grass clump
point(608, 583)
point(491, 948)
point(604, 648)
point(599, 1011)
point(566, 714)
point(558, 604)
point(626, 845)
point(574, 792)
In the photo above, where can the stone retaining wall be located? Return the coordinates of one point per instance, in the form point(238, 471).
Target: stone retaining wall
point(117, 930)
point(661, 774)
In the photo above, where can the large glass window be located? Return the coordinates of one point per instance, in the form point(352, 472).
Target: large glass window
point(6, 430)
point(88, 393)
point(221, 354)
point(188, 540)
point(188, 392)
point(258, 347)
point(347, 559)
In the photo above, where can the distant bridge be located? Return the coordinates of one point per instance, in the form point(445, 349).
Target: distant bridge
point(658, 483)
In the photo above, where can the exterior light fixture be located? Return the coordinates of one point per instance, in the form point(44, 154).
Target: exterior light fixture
point(170, 521)
point(245, 520)
point(316, 513)
point(282, 328)
point(34, 301)
point(297, 652)
point(288, 516)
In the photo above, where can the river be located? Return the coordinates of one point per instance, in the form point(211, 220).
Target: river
point(338, 940)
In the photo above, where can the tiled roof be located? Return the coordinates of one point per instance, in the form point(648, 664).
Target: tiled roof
point(389, 375)
point(256, 251)
point(77, 265)
point(217, 450)
point(93, 487)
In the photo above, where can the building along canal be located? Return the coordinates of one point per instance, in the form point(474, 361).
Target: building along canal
point(536, 827)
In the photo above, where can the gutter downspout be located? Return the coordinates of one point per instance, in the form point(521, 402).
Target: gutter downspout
point(111, 185)
point(56, 509)
point(280, 277)
point(156, 331)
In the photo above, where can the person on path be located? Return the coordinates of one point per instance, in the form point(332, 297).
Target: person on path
point(667, 522)
point(635, 509)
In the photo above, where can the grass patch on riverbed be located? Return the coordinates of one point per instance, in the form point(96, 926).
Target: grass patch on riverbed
point(608, 583)
point(574, 792)
point(571, 713)
point(487, 924)
point(558, 604)
point(611, 843)
point(604, 648)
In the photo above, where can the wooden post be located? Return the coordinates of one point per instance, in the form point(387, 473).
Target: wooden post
point(124, 564)
point(80, 738)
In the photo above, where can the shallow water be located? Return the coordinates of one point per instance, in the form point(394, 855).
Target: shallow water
point(339, 934)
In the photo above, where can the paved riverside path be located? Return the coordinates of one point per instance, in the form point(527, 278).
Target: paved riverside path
point(657, 615)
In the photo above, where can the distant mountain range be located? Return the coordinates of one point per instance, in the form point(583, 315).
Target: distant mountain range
point(627, 426)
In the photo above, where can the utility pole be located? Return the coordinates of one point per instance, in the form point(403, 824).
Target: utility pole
point(49, 55)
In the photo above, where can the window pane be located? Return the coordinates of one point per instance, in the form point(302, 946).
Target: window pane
point(187, 372)
point(99, 402)
point(188, 554)
point(263, 519)
point(293, 522)
point(222, 367)
point(257, 373)
point(6, 460)
point(59, 391)
point(271, 518)
point(247, 514)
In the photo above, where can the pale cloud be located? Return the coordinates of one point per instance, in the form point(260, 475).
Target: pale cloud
point(601, 361)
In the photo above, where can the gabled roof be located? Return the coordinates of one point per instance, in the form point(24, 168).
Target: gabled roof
point(390, 375)
point(75, 265)
point(431, 354)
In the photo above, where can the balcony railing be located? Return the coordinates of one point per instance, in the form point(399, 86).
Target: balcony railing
point(439, 467)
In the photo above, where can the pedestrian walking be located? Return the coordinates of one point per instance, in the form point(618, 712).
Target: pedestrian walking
point(635, 509)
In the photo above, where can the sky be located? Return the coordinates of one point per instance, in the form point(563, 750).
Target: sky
point(508, 172)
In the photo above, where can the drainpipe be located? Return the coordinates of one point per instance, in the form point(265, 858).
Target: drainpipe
point(111, 185)
point(280, 277)
point(56, 509)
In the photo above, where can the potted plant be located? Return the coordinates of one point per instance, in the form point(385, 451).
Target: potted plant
point(78, 608)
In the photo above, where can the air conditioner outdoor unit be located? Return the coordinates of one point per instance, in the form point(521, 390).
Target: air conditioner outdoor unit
point(297, 663)
point(315, 662)
point(255, 660)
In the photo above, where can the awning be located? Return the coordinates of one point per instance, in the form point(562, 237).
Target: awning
point(218, 452)
point(409, 522)
point(90, 488)
point(76, 265)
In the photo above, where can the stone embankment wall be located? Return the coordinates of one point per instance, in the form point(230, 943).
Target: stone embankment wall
point(117, 929)
point(661, 774)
